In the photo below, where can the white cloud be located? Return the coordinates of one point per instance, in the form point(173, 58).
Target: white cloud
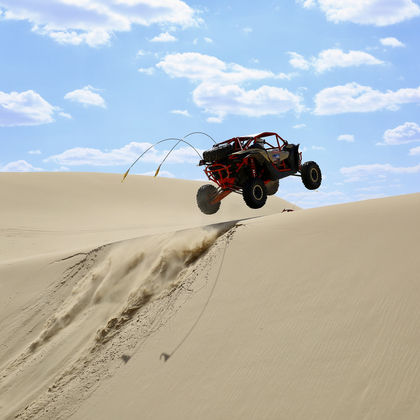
point(247, 30)
point(19, 166)
point(86, 96)
point(164, 37)
point(214, 120)
point(208, 40)
point(94, 21)
point(328, 59)
point(370, 196)
point(92, 38)
point(391, 42)
point(353, 97)
point(408, 132)
point(218, 91)
point(165, 174)
point(283, 76)
point(308, 3)
point(200, 67)
point(61, 169)
point(331, 58)
point(346, 137)
point(371, 188)
point(25, 108)
point(146, 70)
point(318, 148)
point(366, 12)
point(297, 126)
point(65, 115)
point(125, 155)
point(359, 172)
point(142, 53)
point(223, 100)
point(415, 151)
point(34, 152)
point(298, 61)
point(315, 198)
point(183, 112)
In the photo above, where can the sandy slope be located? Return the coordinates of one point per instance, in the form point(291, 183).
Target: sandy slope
point(60, 284)
point(49, 212)
point(312, 314)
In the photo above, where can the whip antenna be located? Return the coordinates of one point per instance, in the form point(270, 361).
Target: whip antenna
point(167, 154)
point(155, 144)
point(176, 144)
point(200, 132)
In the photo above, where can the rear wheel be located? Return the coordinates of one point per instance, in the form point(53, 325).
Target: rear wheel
point(254, 193)
point(205, 195)
point(311, 175)
point(272, 187)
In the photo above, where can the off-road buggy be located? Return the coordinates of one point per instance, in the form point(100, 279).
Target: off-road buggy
point(252, 166)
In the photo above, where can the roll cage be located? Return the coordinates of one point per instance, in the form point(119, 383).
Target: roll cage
point(245, 142)
point(224, 173)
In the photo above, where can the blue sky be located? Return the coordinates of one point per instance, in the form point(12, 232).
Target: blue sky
point(87, 86)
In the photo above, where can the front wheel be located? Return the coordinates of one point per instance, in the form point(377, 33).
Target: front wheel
point(205, 195)
point(255, 193)
point(311, 175)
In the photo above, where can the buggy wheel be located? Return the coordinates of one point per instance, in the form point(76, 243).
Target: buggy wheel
point(311, 175)
point(205, 195)
point(272, 187)
point(254, 193)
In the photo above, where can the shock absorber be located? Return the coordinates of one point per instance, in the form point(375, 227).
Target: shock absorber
point(252, 166)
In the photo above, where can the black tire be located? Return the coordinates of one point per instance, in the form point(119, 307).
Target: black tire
point(311, 175)
point(205, 195)
point(218, 153)
point(272, 187)
point(254, 193)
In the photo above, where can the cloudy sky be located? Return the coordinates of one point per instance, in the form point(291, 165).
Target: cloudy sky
point(87, 86)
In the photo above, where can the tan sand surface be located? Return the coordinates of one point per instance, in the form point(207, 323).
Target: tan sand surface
point(50, 212)
point(308, 314)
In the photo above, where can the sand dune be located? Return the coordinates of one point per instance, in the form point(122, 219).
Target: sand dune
point(50, 212)
point(308, 314)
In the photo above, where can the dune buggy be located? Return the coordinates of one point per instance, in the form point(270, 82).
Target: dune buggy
point(252, 166)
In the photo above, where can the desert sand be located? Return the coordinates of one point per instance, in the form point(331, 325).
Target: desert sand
point(121, 300)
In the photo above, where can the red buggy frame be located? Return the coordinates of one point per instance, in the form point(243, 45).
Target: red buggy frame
point(252, 165)
point(224, 174)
